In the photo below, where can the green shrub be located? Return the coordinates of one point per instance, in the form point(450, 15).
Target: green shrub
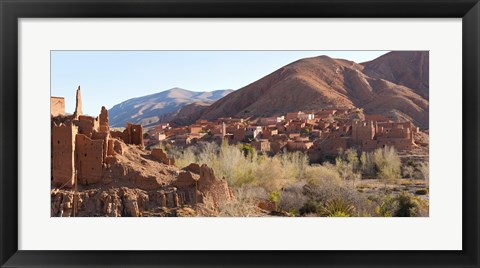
point(421, 192)
point(386, 207)
point(311, 206)
point(407, 206)
point(274, 197)
point(294, 213)
point(337, 208)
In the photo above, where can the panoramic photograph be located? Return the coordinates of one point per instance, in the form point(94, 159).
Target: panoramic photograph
point(239, 133)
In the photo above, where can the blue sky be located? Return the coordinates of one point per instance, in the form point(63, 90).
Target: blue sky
point(110, 77)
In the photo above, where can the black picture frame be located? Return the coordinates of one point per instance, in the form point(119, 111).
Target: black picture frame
point(12, 10)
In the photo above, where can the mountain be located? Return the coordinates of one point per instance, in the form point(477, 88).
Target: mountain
point(322, 82)
point(159, 107)
point(406, 68)
point(188, 113)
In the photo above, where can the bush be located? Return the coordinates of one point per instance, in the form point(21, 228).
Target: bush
point(310, 207)
point(348, 165)
point(407, 206)
point(337, 208)
point(402, 205)
point(425, 170)
point(275, 198)
point(386, 207)
point(367, 164)
point(388, 164)
point(291, 198)
point(421, 192)
point(269, 174)
point(242, 205)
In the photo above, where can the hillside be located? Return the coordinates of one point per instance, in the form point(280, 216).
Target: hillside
point(188, 113)
point(160, 107)
point(410, 69)
point(323, 82)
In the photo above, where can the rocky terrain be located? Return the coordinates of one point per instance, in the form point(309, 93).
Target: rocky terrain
point(394, 85)
point(138, 183)
point(160, 107)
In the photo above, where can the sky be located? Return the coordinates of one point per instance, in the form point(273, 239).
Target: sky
point(107, 78)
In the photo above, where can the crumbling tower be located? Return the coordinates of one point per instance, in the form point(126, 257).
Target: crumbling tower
point(78, 104)
point(103, 117)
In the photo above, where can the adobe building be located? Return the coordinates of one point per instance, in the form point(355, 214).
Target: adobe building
point(372, 135)
point(261, 145)
point(81, 144)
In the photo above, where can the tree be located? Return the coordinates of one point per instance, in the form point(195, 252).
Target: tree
point(408, 171)
point(425, 170)
point(388, 164)
point(348, 165)
point(367, 165)
point(352, 158)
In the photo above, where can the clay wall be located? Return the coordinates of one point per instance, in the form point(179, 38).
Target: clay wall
point(216, 130)
point(103, 120)
point(398, 144)
point(396, 133)
point(261, 146)
point(362, 131)
point(122, 135)
point(195, 129)
point(376, 118)
point(268, 132)
point(291, 116)
point(57, 106)
point(78, 104)
point(89, 159)
point(110, 146)
point(63, 155)
point(135, 134)
point(277, 146)
point(86, 125)
point(159, 155)
point(302, 146)
point(102, 136)
point(239, 134)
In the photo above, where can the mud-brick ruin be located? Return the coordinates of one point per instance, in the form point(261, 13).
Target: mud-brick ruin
point(97, 171)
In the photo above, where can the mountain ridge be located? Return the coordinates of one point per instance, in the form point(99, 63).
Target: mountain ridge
point(159, 107)
point(323, 82)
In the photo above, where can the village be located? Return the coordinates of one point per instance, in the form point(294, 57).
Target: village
point(97, 171)
point(102, 171)
point(319, 134)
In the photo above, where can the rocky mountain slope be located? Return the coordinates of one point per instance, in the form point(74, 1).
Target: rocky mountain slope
point(410, 69)
point(160, 107)
point(323, 82)
point(188, 113)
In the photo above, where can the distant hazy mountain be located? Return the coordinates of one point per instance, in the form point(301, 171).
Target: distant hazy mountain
point(160, 107)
